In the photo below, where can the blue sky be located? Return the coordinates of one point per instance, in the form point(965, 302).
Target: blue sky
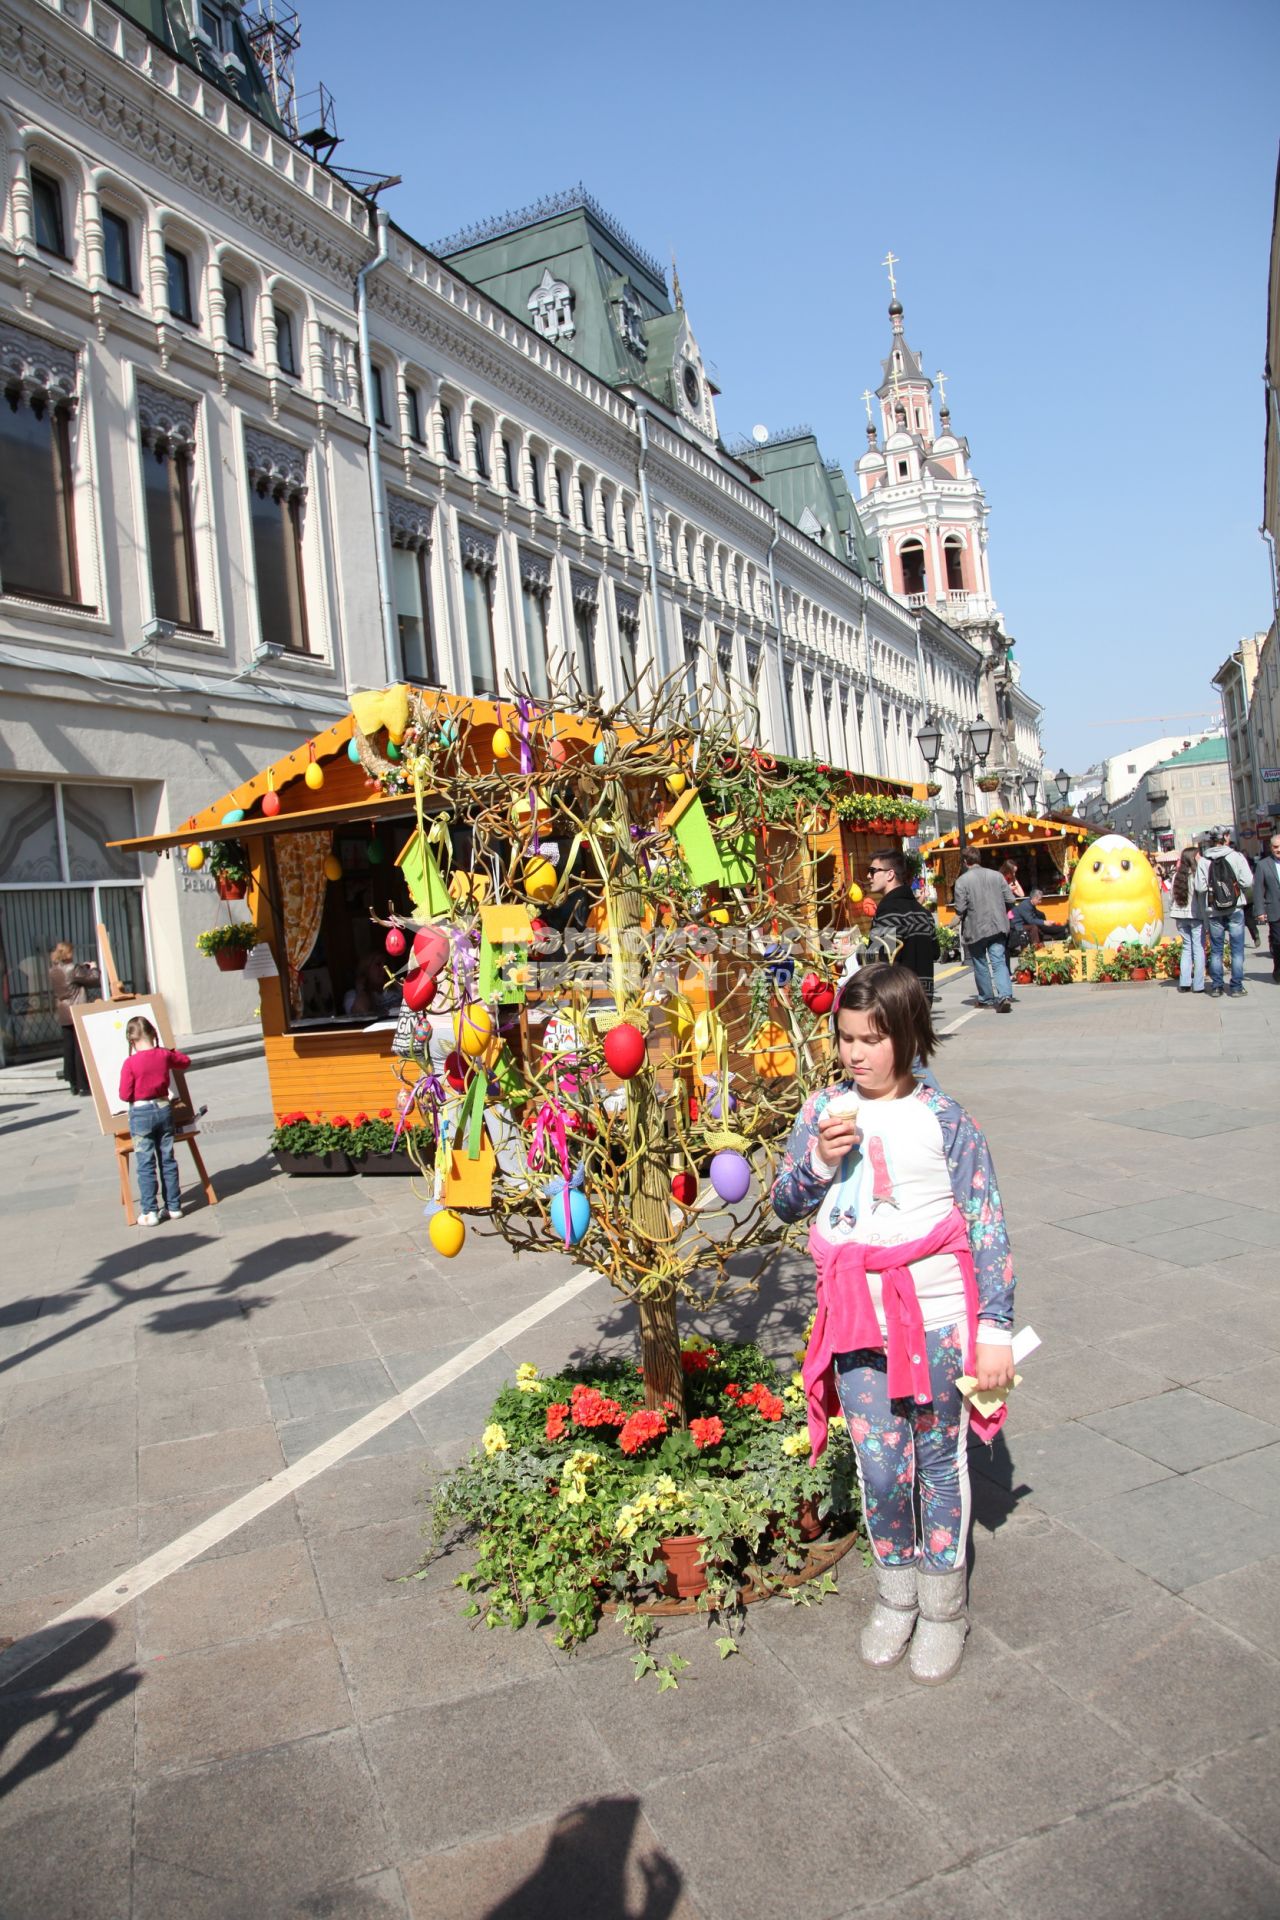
point(1080, 199)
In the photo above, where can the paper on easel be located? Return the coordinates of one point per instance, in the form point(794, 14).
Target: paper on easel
point(261, 963)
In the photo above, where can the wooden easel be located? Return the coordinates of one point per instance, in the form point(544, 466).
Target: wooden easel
point(185, 1127)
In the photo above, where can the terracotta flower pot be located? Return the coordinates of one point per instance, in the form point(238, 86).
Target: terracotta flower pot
point(229, 889)
point(1023, 979)
point(810, 1527)
point(1140, 973)
point(231, 959)
point(686, 1575)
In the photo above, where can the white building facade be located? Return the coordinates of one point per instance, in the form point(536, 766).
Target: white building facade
point(198, 562)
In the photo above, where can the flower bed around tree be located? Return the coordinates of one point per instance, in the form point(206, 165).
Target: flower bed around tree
point(576, 1486)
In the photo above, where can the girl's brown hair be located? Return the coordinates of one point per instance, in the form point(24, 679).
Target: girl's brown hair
point(63, 954)
point(896, 1005)
point(1185, 876)
point(140, 1032)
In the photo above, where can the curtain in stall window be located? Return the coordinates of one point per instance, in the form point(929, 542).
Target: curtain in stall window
point(300, 859)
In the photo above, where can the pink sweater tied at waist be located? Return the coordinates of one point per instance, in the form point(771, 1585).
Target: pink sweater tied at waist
point(846, 1319)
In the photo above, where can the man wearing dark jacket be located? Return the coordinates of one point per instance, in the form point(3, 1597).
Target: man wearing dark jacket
point(1266, 898)
point(1028, 927)
point(903, 930)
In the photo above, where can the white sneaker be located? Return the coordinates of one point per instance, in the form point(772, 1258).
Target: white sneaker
point(148, 1219)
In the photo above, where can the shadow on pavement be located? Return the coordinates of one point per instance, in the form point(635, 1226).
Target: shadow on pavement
point(585, 1870)
point(34, 1119)
point(71, 1711)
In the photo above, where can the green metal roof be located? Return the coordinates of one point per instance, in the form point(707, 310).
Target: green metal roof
point(165, 22)
point(1204, 752)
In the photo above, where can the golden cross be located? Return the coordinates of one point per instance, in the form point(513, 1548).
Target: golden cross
point(897, 391)
point(942, 379)
point(866, 401)
point(891, 261)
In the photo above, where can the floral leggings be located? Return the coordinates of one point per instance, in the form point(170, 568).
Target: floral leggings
point(902, 1448)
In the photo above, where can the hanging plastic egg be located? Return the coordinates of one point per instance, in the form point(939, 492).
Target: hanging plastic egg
point(314, 775)
point(195, 858)
point(715, 1106)
point(720, 916)
point(375, 853)
point(676, 783)
point(430, 949)
point(419, 990)
point(474, 1029)
point(271, 803)
point(448, 733)
point(539, 878)
point(353, 751)
point(600, 754)
point(233, 818)
point(624, 1050)
point(457, 1072)
point(730, 1174)
point(446, 1232)
point(822, 999)
point(396, 943)
point(855, 892)
point(557, 753)
point(393, 750)
point(570, 1215)
point(684, 1187)
point(501, 744)
point(332, 867)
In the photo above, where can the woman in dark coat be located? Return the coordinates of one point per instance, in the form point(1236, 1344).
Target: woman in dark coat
point(67, 992)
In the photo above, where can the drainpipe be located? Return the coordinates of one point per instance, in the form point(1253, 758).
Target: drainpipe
point(377, 493)
point(651, 546)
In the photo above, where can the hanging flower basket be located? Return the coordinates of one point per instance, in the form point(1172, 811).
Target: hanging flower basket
point(988, 783)
point(230, 959)
point(933, 789)
point(228, 945)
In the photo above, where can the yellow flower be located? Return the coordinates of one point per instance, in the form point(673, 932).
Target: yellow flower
point(795, 1444)
point(797, 1380)
point(837, 1420)
point(694, 1343)
point(494, 1439)
point(573, 1485)
point(527, 1378)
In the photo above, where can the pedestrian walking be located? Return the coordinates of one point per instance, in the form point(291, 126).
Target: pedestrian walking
point(1188, 909)
point(1230, 886)
point(982, 900)
point(902, 931)
point(70, 983)
point(914, 1289)
point(1266, 898)
point(144, 1084)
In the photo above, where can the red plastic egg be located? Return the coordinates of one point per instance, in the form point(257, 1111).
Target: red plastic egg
point(419, 990)
point(684, 1188)
point(270, 802)
point(822, 999)
point(624, 1050)
point(808, 985)
point(457, 1072)
point(395, 943)
point(557, 753)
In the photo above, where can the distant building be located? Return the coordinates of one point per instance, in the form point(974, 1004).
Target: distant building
point(1105, 788)
point(1235, 680)
point(1180, 799)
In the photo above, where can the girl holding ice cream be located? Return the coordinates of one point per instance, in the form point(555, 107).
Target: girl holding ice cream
point(915, 1289)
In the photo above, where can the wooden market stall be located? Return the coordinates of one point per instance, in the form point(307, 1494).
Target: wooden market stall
point(327, 851)
point(1044, 851)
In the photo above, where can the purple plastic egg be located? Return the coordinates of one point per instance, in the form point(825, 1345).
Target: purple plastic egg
point(730, 1174)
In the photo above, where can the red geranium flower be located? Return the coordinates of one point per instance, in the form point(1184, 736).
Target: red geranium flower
point(697, 1359)
point(557, 1415)
point(590, 1408)
point(341, 1120)
point(766, 1404)
point(708, 1432)
point(361, 1120)
point(732, 1391)
point(385, 1113)
point(640, 1429)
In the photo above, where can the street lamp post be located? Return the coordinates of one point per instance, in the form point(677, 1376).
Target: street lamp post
point(978, 735)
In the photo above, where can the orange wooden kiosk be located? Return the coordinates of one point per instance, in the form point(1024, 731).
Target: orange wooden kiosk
point(324, 853)
point(1044, 851)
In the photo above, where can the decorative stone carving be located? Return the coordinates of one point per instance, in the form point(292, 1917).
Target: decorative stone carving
point(275, 467)
point(409, 522)
point(479, 550)
point(690, 629)
point(166, 422)
point(586, 591)
point(36, 371)
point(551, 308)
point(628, 606)
point(535, 572)
point(629, 315)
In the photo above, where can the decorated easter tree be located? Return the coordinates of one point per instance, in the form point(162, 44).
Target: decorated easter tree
point(616, 957)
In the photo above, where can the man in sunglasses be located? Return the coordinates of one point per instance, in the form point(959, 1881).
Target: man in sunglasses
point(903, 931)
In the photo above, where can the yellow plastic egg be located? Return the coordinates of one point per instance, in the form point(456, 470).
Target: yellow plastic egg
point(501, 744)
point(855, 892)
point(720, 915)
point(539, 878)
point(474, 1029)
point(195, 858)
point(446, 1232)
point(314, 775)
point(677, 782)
point(1115, 896)
point(332, 867)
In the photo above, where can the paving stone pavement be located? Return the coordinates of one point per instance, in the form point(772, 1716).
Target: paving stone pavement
point(282, 1728)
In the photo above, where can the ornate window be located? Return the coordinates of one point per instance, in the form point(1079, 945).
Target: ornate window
point(117, 248)
point(167, 429)
point(414, 398)
point(46, 201)
point(37, 526)
point(479, 565)
point(177, 271)
point(286, 345)
point(535, 596)
point(628, 611)
point(479, 444)
point(953, 554)
point(509, 457)
point(690, 630)
point(278, 479)
point(379, 396)
point(448, 438)
point(629, 315)
point(551, 308)
point(409, 522)
point(586, 605)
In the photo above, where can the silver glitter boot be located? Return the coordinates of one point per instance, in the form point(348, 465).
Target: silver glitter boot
point(938, 1646)
point(887, 1634)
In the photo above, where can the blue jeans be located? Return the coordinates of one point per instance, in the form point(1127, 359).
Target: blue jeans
point(151, 1124)
point(1191, 966)
point(1221, 928)
point(991, 968)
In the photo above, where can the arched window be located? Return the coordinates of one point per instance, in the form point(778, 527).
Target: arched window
point(953, 553)
point(912, 558)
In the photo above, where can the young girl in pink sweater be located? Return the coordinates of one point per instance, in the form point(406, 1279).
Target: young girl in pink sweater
point(915, 1288)
point(144, 1083)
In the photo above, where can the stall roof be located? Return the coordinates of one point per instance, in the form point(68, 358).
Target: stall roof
point(1013, 830)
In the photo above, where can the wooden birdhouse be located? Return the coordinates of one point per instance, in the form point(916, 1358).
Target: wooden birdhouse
point(506, 943)
point(422, 877)
point(688, 822)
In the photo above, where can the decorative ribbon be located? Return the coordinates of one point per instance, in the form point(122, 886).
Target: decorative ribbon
point(389, 709)
point(524, 713)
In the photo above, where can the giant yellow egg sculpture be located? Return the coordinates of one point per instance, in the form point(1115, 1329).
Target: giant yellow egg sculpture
point(1115, 896)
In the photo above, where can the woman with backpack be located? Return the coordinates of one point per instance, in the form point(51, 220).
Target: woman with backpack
point(1230, 886)
point(1187, 910)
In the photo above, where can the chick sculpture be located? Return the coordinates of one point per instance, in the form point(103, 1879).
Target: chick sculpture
point(1115, 896)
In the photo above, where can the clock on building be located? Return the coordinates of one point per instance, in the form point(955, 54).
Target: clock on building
point(692, 387)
